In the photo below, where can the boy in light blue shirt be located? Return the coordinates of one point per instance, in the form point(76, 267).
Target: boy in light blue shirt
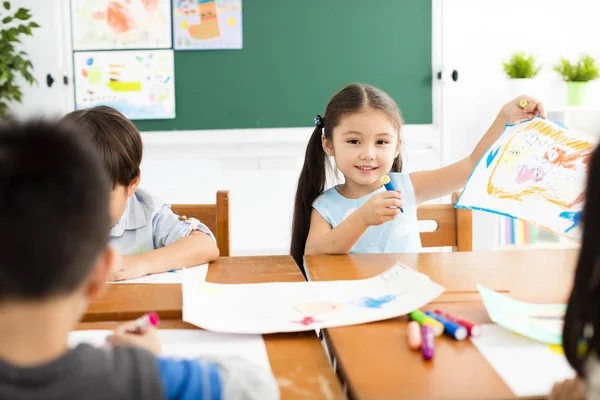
point(144, 229)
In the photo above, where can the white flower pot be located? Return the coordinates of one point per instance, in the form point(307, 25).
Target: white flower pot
point(528, 86)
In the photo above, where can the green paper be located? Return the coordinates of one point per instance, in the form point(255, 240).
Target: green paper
point(542, 322)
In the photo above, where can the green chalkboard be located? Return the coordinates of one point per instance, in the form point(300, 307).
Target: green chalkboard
point(296, 55)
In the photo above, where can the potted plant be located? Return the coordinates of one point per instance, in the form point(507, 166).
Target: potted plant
point(521, 68)
point(13, 63)
point(577, 76)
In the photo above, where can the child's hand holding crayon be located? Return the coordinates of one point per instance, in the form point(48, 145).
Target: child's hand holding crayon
point(140, 333)
point(522, 108)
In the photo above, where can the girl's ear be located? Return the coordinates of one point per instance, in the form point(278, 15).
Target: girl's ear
point(398, 147)
point(327, 148)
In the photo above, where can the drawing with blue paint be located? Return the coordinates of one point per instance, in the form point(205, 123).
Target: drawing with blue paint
point(375, 302)
point(575, 217)
point(493, 153)
point(361, 131)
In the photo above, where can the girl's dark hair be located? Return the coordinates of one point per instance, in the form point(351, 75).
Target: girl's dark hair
point(353, 98)
point(584, 303)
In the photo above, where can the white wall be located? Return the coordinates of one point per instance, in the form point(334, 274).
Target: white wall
point(260, 167)
point(476, 36)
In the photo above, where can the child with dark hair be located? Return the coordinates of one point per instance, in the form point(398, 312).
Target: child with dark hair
point(361, 131)
point(144, 229)
point(54, 214)
point(581, 332)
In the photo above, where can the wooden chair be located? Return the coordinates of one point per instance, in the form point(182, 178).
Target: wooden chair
point(454, 226)
point(214, 216)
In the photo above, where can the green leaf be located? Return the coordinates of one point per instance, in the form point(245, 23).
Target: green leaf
point(521, 66)
point(6, 5)
point(22, 14)
point(583, 70)
point(16, 69)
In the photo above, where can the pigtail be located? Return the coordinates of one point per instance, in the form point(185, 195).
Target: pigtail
point(397, 164)
point(311, 184)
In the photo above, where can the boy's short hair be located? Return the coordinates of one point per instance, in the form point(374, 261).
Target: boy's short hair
point(117, 139)
point(54, 210)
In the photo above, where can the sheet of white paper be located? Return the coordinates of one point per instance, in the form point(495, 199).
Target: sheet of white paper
point(193, 343)
point(168, 277)
point(528, 367)
point(302, 306)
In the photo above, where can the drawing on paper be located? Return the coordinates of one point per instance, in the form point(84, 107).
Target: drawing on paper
point(139, 84)
point(318, 307)
point(207, 24)
point(121, 24)
point(306, 321)
point(374, 302)
point(536, 171)
point(299, 306)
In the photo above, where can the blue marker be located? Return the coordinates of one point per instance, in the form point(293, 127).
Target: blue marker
point(452, 329)
point(387, 182)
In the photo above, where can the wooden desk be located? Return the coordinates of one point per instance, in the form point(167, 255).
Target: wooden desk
point(514, 272)
point(374, 359)
point(129, 301)
point(298, 360)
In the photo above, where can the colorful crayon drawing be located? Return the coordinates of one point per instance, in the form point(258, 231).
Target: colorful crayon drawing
point(207, 24)
point(121, 24)
point(536, 171)
point(140, 84)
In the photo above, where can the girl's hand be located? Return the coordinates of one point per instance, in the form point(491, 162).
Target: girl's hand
point(380, 208)
point(570, 389)
point(513, 112)
point(147, 340)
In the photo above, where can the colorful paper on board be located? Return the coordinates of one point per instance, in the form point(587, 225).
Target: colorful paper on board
point(207, 24)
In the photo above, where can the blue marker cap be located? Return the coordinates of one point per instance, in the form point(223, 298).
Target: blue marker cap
point(452, 329)
point(387, 182)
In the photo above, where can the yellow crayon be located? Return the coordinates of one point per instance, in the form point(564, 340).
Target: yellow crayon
point(523, 103)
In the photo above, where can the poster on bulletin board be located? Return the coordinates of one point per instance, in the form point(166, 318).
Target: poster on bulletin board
point(121, 24)
point(140, 84)
point(207, 24)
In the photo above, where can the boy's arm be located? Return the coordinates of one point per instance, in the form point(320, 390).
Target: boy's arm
point(176, 245)
point(197, 248)
point(217, 378)
point(189, 379)
point(436, 183)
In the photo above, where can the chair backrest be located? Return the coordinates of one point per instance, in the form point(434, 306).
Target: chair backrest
point(214, 216)
point(454, 226)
